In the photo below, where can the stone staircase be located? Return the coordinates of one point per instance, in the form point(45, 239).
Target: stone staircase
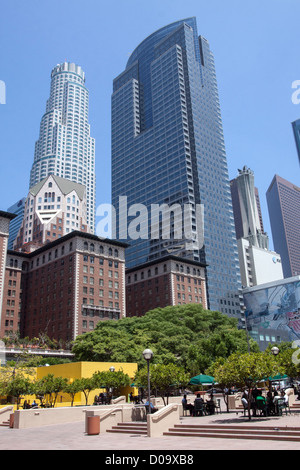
point(5, 423)
point(236, 432)
point(134, 427)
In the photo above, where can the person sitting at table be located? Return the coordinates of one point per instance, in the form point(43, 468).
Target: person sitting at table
point(199, 405)
point(210, 406)
point(152, 407)
point(261, 403)
point(187, 406)
point(270, 403)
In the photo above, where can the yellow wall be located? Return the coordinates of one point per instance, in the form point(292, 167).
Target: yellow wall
point(78, 370)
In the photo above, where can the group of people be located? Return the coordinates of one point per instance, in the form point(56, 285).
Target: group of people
point(102, 399)
point(28, 406)
point(201, 406)
point(268, 404)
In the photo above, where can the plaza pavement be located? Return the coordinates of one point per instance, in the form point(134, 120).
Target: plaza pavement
point(72, 436)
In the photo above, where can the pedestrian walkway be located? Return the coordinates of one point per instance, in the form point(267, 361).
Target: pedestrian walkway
point(72, 436)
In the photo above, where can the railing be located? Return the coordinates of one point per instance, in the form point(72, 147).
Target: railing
point(5, 412)
point(161, 414)
point(160, 421)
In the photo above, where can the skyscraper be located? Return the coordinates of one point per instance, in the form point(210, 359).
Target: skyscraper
point(296, 130)
point(18, 210)
point(168, 148)
point(283, 200)
point(258, 264)
point(246, 209)
point(65, 147)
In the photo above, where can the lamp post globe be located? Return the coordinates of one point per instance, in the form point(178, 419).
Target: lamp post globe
point(275, 350)
point(148, 354)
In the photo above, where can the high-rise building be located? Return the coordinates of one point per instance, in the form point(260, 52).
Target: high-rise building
point(258, 264)
point(5, 218)
point(18, 210)
point(65, 147)
point(246, 209)
point(283, 200)
point(64, 288)
point(296, 130)
point(168, 149)
point(54, 207)
point(168, 281)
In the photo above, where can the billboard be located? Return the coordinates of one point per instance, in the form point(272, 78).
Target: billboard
point(275, 307)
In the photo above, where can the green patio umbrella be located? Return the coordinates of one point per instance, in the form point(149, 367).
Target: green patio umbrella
point(278, 377)
point(202, 379)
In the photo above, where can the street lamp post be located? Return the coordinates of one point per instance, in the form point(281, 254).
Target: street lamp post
point(148, 355)
point(275, 352)
point(111, 389)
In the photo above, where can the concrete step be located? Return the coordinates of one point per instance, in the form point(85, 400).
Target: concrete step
point(5, 423)
point(236, 432)
point(130, 428)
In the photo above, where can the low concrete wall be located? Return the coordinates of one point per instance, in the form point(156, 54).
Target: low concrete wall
point(47, 416)
point(5, 413)
point(108, 418)
point(119, 400)
point(162, 420)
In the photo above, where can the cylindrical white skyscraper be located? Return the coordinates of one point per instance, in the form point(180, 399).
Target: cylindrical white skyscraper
point(65, 147)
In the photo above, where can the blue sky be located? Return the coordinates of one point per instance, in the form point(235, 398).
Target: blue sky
point(257, 56)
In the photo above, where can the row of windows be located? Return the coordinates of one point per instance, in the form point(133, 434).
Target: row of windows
point(100, 249)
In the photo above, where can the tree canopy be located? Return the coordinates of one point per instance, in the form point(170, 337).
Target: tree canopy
point(186, 335)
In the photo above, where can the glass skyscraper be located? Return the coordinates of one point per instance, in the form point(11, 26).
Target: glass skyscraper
point(296, 130)
point(283, 198)
point(65, 147)
point(168, 148)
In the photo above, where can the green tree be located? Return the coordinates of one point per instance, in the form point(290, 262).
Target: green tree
point(86, 385)
point(15, 378)
point(71, 388)
point(51, 386)
point(163, 379)
point(245, 371)
point(288, 358)
point(17, 386)
point(114, 381)
point(187, 336)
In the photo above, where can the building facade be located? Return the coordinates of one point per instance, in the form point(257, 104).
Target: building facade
point(65, 147)
point(54, 207)
point(5, 219)
point(64, 288)
point(296, 130)
point(169, 281)
point(15, 224)
point(257, 263)
point(283, 198)
point(246, 209)
point(273, 311)
point(168, 149)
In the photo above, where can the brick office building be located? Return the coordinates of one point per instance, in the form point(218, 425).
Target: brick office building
point(5, 218)
point(64, 288)
point(168, 281)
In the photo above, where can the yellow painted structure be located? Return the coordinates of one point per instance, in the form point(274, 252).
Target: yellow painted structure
point(79, 370)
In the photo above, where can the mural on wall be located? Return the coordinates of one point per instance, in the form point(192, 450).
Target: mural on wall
point(275, 308)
